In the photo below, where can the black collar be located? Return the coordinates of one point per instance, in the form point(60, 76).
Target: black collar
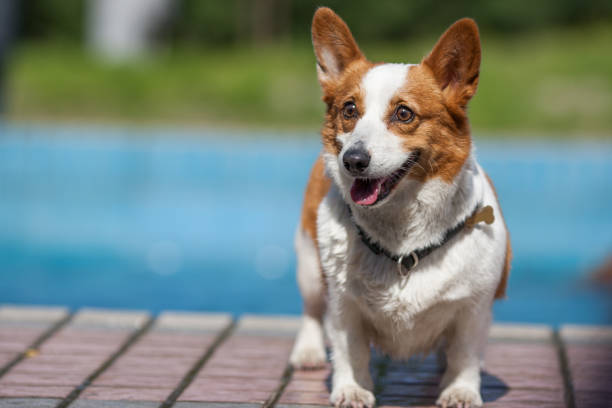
point(405, 263)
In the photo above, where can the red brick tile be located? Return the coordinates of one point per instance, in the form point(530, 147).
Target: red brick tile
point(307, 386)
point(415, 402)
point(252, 357)
point(192, 323)
point(271, 364)
point(526, 397)
point(155, 363)
point(512, 356)
point(6, 357)
point(204, 395)
point(41, 378)
point(238, 372)
point(593, 352)
point(535, 355)
point(13, 346)
point(79, 348)
point(251, 353)
point(65, 360)
point(239, 354)
point(588, 399)
point(535, 350)
point(82, 350)
point(235, 384)
point(550, 360)
point(152, 367)
point(511, 373)
point(489, 395)
point(148, 370)
point(125, 394)
point(592, 379)
point(167, 351)
point(321, 374)
point(21, 334)
point(426, 397)
point(137, 381)
point(524, 404)
point(260, 342)
point(91, 336)
point(526, 379)
point(594, 364)
point(176, 339)
point(271, 373)
point(591, 368)
point(26, 368)
point(60, 363)
point(304, 397)
point(36, 391)
point(62, 360)
point(162, 358)
point(509, 365)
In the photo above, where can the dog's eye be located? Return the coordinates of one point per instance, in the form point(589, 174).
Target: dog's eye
point(349, 110)
point(404, 114)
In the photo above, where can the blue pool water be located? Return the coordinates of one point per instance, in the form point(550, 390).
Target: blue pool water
point(204, 220)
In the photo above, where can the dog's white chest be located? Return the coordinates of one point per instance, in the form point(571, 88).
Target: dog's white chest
point(406, 315)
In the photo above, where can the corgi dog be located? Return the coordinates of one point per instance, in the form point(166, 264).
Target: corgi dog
point(402, 244)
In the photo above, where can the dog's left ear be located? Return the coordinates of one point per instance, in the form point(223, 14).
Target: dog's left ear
point(455, 61)
point(334, 45)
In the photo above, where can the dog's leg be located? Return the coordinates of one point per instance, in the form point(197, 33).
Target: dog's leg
point(352, 383)
point(309, 348)
point(465, 346)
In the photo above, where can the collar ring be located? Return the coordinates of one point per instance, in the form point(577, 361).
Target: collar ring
point(402, 269)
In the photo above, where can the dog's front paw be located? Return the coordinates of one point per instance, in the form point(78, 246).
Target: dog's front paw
point(352, 396)
point(459, 396)
point(309, 349)
point(308, 357)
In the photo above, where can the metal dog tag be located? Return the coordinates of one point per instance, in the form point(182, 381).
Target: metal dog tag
point(484, 215)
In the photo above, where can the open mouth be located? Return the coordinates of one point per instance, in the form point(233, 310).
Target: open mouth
point(367, 192)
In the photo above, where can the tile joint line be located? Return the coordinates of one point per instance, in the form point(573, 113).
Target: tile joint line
point(195, 369)
point(37, 343)
point(74, 394)
point(285, 379)
point(566, 374)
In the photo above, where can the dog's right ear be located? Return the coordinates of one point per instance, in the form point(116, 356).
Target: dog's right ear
point(334, 45)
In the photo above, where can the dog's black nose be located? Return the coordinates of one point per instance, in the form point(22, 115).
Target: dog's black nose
point(356, 159)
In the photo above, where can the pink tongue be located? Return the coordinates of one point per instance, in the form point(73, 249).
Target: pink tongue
point(365, 192)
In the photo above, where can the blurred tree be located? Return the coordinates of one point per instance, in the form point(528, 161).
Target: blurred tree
point(52, 20)
point(393, 20)
point(7, 26)
point(208, 22)
point(270, 19)
point(221, 23)
point(231, 21)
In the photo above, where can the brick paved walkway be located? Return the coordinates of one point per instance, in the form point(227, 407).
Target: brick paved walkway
point(111, 359)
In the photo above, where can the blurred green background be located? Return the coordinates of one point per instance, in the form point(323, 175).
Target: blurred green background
point(546, 70)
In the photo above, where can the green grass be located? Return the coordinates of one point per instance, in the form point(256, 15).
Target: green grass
point(554, 82)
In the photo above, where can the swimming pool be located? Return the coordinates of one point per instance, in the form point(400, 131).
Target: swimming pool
point(204, 220)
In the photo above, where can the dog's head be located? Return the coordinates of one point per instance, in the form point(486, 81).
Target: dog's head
point(388, 123)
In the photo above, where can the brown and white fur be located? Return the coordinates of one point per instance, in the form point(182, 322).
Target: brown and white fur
point(446, 300)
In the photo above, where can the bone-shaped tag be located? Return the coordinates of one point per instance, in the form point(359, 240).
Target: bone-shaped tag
point(484, 215)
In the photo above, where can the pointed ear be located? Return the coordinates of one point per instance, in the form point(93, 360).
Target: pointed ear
point(334, 45)
point(455, 61)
